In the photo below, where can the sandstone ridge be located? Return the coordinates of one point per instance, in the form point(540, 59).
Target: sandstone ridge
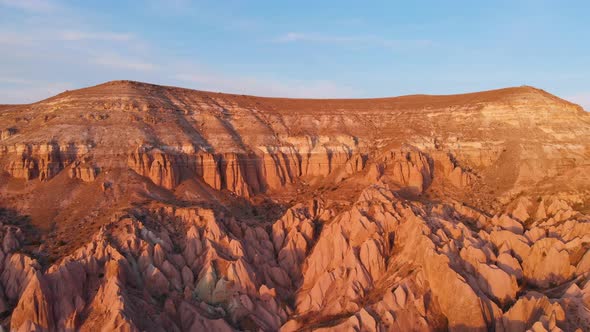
point(131, 206)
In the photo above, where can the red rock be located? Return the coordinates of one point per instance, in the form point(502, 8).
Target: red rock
point(226, 212)
point(548, 263)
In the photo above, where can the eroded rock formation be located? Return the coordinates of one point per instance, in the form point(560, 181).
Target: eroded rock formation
point(166, 209)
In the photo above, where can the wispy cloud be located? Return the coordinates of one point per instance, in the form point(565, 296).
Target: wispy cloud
point(29, 5)
point(13, 80)
point(73, 35)
point(13, 38)
point(367, 40)
point(307, 37)
point(175, 6)
point(118, 61)
point(25, 37)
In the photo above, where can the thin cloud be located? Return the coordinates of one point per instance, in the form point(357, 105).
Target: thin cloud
point(117, 61)
point(29, 5)
point(14, 80)
point(304, 37)
point(177, 6)
point(73, 35)
point(9, 38)
point(28, 37)
point(370, 40)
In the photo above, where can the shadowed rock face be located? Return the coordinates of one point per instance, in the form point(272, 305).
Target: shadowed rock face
point(130, 206)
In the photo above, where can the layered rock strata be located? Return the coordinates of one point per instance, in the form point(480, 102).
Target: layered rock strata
point(135, 207)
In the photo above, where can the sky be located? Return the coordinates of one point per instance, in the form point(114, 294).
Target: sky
point(315, 49)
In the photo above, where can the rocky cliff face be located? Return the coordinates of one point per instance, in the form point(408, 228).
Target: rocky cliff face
point(130, 206)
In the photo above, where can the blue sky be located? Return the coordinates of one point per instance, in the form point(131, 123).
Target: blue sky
point(296, 48)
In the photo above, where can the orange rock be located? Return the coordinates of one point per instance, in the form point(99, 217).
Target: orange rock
point(223, 212)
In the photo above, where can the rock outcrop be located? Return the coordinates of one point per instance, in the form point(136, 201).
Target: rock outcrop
point(135, 207)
